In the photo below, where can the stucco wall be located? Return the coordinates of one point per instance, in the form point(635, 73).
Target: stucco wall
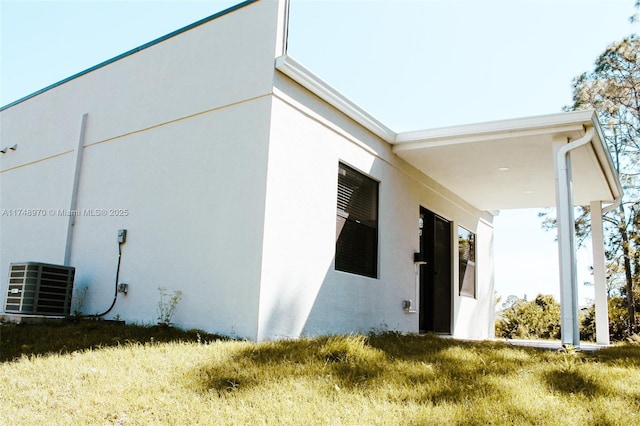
point(177, 137)
point(474, 318)
point(301, 292)
point(229, 192)
point(195, 194)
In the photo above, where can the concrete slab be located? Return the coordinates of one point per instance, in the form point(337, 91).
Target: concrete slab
point(552, 344)
point(31, 319)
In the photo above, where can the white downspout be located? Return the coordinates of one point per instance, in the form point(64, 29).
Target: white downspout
point(73, 204)
point(616, 203)
point(570, 333)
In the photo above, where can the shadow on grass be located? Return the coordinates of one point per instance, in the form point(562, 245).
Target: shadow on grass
point(393, 367)
point(625, 355)
point(344, 361)
point(572, 382)
point(400, 369)
point(422, 369)
point(17, 340)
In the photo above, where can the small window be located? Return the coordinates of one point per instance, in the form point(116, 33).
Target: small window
point(467, 262)
point(357, 223)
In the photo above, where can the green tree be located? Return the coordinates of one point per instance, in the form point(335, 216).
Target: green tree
point(613, 90)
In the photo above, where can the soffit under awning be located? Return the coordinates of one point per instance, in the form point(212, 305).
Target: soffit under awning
point(510, 164)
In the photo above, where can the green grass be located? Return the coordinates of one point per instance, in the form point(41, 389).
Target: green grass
point(94, 373)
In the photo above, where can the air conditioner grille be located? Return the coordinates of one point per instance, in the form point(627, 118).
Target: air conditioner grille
point(39, 288)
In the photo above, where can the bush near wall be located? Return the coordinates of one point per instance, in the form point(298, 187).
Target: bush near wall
point(618, 321)
point(540, 319)
point(535, 319)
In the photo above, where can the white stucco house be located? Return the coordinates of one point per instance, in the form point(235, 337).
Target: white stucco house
point(277, 206)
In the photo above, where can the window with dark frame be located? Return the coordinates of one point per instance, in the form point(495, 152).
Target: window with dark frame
point(356, 223)
point(467, 262)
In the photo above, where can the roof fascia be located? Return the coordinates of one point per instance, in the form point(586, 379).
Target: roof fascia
point(133, 51)
point(604, 158)
point(303, 76)
point(528, 126)
point(422, 143)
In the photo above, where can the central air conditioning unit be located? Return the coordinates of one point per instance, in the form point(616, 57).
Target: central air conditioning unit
point(39, 289)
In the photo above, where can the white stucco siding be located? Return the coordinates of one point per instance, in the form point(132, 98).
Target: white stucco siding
point(474, 317)
point(298, 294)
point(226, 61)
point(301, 292)
point(29, 199)
point(297, 236)
point(221, 62)
point(177, 136)
point(194, 193)
point(41, 129)
point(486, 278)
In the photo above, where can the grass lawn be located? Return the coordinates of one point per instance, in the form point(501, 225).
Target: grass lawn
point(101, 374)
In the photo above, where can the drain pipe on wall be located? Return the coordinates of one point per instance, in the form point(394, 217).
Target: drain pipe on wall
point(570, 333)
point(73, 204)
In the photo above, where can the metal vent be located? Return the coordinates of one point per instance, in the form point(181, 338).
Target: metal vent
point(39, 289)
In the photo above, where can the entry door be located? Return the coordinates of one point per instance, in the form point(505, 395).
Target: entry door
point(435, 273)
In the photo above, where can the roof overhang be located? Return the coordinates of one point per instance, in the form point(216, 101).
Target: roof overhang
point(495, 165)
point(510, 164)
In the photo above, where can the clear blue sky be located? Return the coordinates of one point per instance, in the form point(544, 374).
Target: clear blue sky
point(413, 64)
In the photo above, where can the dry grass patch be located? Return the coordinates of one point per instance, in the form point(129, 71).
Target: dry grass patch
point(337, 380)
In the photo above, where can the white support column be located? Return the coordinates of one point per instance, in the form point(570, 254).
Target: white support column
point(599, 275)
point(566, 237)
point(566, 248)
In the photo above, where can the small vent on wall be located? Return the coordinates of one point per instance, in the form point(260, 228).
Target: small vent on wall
point(39, 289)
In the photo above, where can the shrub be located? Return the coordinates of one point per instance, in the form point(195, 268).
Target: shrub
point(536, 319)
point(588, 324)
point(618, 321)
point(167, 305)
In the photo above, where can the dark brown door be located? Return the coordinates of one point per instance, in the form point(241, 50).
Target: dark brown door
point(435, 274)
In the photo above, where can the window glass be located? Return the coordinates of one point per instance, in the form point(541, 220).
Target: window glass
point(356, 223)
point(467, 262)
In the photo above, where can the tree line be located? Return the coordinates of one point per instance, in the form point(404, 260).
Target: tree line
point(540, 319)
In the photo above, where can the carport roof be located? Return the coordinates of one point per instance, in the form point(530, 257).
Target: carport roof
point(494, 165)
point(510, 164)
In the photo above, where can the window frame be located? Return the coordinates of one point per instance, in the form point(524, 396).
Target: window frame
point(357, 230)
point(467, 264)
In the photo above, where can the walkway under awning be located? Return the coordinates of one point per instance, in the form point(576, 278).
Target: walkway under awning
point(554, 160)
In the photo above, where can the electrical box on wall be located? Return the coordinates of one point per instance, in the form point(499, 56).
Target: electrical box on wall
point(122, 236)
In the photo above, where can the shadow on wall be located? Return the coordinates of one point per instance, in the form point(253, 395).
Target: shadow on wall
point(337, 303)
point(368, 233)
